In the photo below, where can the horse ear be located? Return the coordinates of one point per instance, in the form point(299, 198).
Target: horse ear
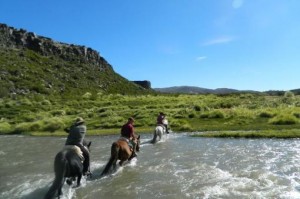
point(89, 144)
point(139, 136)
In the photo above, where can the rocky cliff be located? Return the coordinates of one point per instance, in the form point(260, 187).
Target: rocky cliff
point(32, 64)
point(20, 38)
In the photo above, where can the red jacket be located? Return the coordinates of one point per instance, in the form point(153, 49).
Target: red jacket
point(127, 130)
point(160, 119)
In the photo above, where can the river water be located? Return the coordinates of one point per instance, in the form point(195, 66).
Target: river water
point(178, 167)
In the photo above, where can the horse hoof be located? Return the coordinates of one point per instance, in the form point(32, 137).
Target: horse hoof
point(69, 182)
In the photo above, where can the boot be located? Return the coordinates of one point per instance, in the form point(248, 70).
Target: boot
point(133, 151)
point(167, 130)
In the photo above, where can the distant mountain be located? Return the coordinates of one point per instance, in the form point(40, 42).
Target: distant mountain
point(296, 91)
point(199, 90)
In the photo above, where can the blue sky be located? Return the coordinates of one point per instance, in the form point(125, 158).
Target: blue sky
point(240, 44)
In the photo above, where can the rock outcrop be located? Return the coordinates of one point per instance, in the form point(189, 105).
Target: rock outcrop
point(145, 84)
point(20, 38)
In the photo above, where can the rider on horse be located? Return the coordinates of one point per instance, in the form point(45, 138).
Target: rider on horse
point(76, 136)
point(127, 132)
point(160, 121)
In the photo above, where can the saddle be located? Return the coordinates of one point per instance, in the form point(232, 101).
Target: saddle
point(76, 149)
point(126, 140)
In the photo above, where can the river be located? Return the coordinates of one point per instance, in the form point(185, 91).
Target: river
point(178, 167)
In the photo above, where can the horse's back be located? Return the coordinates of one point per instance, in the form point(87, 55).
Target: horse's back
point(69, 159)
point(124, 149)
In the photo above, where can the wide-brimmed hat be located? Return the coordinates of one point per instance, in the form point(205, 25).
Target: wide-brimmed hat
point(79, 120)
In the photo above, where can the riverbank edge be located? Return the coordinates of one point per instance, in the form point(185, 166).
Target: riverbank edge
point(282, 133)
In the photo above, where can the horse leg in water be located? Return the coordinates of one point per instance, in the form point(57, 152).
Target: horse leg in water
point(154, 137)
point(157, 134)
point(79, 179)
point(121, 163)
point(112, 160)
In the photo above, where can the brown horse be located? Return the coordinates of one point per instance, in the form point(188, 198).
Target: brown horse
point(120, 150)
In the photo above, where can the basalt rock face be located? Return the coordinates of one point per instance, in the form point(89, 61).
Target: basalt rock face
point(20, 38)
point(32, 64)
point(145, 84)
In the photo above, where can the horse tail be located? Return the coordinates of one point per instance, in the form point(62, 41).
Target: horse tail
point(113, 158)
point(60, 166)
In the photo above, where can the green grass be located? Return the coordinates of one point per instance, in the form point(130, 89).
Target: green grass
point(105, 114)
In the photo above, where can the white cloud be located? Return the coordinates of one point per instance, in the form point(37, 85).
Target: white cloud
point(219, 40)
point(200, 58)
point(237, 3)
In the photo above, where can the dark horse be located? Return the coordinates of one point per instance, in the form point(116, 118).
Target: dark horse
point(120, 150)
point(67, 164)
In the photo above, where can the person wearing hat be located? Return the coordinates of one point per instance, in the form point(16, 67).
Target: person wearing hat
point(76, 136)
point(127, 131)
point(160, 121)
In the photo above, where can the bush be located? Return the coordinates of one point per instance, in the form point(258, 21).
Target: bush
point(283, 119)
point(4, 92)
point(46, 102)
point(197, 108)
point(297, 115)
point(5, 127)
point(53, 125)
point(192, 115)
point(216, 114)
point(204, 115)
point(27, 127)
point(87, 95)
point(58, 112)
point(266, 114)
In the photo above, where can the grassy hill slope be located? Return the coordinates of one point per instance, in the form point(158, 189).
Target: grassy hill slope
point(31, 64)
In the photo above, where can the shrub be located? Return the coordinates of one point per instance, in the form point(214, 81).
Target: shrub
point(29, 118)
point(216, 114)
point(25, 101)
point(58, 112)
point(289, 94)
point(185, 127)
point(5, 127)
point(87, 95)
point(53, 125)
point(192, 115)
point(46, 102)
point(197, 108)
point(266, 114)
point(283, 119)
point(4, 92)
point(27, 127)
point(204, 115)
point(297, 115)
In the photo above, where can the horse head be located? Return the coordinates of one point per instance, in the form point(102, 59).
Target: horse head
point(87, 145)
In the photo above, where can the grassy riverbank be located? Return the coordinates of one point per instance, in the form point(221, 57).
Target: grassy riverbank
point(289, 133)
point(231, 115)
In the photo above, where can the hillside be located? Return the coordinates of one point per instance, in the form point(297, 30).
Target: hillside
point(32, 64)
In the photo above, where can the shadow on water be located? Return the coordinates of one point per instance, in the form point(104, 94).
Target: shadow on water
point(37, 194)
